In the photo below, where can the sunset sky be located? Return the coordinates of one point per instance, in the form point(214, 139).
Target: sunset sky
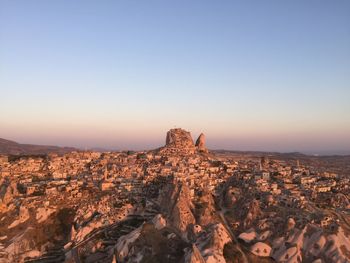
point(252, 75)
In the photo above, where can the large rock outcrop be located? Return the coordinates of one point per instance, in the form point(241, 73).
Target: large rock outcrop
point(200, 143)
point(179, 138)
point(179, 141)
point(211, 244)
point(177, 205)
point(206, 212)
point(149, 243)
point(7, 192)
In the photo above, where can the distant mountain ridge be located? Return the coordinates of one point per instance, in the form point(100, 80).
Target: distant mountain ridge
point(11, 147)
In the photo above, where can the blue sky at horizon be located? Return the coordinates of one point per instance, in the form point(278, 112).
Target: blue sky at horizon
point(252, 75)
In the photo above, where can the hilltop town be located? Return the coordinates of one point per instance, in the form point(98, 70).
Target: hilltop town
point(178, 203)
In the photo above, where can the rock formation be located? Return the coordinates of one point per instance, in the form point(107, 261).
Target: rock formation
point(194, 255)
point(206, 213)
point(179, 138)
point(179, 141)
point(200, 143)
point(231, 196)
point(211, 244)
point(149, 243)
point(252, 212)
point(176, 203)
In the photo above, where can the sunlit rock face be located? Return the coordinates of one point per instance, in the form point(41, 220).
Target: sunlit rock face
point(179, 141)
point(211, 244)
point(179, 138)
point(194, 255)
point(176, 203)
point(200, 143)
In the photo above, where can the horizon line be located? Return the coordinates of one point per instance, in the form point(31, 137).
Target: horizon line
point(341, 152)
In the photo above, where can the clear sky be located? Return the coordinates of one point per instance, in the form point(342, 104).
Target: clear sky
point(252, 75)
